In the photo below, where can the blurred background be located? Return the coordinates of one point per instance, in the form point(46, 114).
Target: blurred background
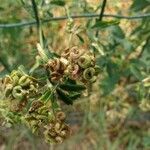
point(116, 116)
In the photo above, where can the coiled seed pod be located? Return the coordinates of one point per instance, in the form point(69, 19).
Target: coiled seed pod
point(60, 116)
point(84, 61)
point(18, 93)
point(75, 53)
point(89, 74)
point(24, 81)
point(8, 90)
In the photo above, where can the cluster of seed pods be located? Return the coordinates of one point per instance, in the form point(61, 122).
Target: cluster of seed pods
point(77, 64)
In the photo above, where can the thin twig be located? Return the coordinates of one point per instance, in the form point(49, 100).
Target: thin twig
point(30, 23)
point(38, 22)
point(101, 14)
point(36, 13)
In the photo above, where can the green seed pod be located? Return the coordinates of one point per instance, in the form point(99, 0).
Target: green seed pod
point(24, 81)
point(15, 73)
point(97, 70)
point(8, 90)
point(15, 79)
point(84, 61)
point(88, 73)
point(17, 92)
point(43, 110)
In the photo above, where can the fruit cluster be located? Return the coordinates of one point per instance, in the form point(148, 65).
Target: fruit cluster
point(77, 64)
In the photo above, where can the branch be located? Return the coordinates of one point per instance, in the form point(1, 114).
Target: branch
point(36, 13)
point(30, 23)
point(101, 13)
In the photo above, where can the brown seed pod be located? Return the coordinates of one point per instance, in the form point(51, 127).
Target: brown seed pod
point(59, 139)
point(60, 116)
point(35, 105)
point(75, 53)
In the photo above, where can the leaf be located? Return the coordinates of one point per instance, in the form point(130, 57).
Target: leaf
point(136, 72)
point(46, 95)
point(72, 87)
point(138, 5)
point(80, 38)
point(70, 81)
point(105, 24)
point(64, 96)
point(58, 2)
point(75, 96)
point(108, 84)
point(116, 31)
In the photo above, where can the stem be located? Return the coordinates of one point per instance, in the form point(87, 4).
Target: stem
point(101, 14)
point(30, 23)
point(38, 22)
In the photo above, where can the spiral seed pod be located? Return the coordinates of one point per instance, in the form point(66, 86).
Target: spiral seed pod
point(75, 53)
point(84, 61)
point(97, 69)
point(15, 80)
point(63, 133)
point(55, 77)
point(59, 139)
point(65, 53)
point(54, 65)
point(57, 127)
point(75, 71)
point(8, 90)
point(89, 74)
point(18, 93)
point(60, 116)
point(24, 81)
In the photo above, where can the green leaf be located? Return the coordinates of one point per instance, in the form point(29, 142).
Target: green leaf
point(116, 31)
point(80, 38)
point(136, 72)
point(105, 24)
point(138, 5)
point(58, 2)
point(72, 87)
point(70, 81)
point(75, 96)
point(46, 96)
point(64, 96)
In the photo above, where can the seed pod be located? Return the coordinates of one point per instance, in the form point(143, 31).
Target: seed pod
point(63, 133)
point(54, 64)
point(84, 61)
point(75, 71)
point(57, 127)
point(17, 92)
point(59, 139)
point(35, 106)
point(88, 73)
point(24, 81)
point(97, 70)
point(75, 53)
point(55, 77)
point(8, 89)
point(52, 133)
point(66, 53)
point(15, 79)
point(60, 116)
